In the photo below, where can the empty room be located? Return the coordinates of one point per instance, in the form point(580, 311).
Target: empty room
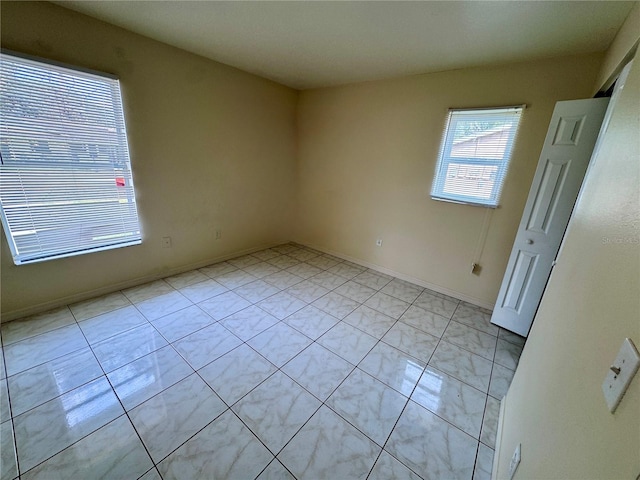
point(320, 240)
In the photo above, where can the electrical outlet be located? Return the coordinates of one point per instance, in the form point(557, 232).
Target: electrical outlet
point(166, 242)
point(515, 461)
point(218, 234)
point(379, 242)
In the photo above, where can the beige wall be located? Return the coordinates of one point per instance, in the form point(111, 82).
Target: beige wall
point(555, 406)
point(211, 147)
point(367, 156)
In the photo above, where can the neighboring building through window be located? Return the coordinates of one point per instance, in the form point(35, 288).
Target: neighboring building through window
point(474, 155)
point(65, 177)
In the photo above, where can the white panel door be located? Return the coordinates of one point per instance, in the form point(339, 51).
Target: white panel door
point(567, 149)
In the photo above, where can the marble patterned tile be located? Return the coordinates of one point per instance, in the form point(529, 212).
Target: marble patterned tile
point(463, 365)
point(170, 418)
point(206, 345)
point(328, 280)
point(107, 325)
point(500, 381)
point(128, 346)
point(355, 291)
point(373, 279)
point(422, 319)
point(393, 367)
point(387, 467)
point(151, 475)
point(307, 291)
point(348, 342)
point(185, 279)
point(217, 269)
point(281, 305)
point(223, 305)
point(266, 254)
point(484, 463)
point(369, 405)
point(49, 428)
point(322, 262)
point(113, 451)
point(476, 317)
point(256, 291)
point(302, 255)
point(387, 304)
point(490, 422)
point(143, 378)
point(276, 410)
point(5, 411)
point(345, 270)
point(279, 344)
point(311, 321)
point(436, 304)
point(336, 305)
point(328, 447)
point(282, 279)
point(370, 321)
point(44, 382)
point(249, 322)
point(470, 339)
point(318, 370)
point(182, 323)
point(275, 471)
point(426, 443)
point(508, 354)
point(95, 306)
point(286, 248)
point(3, 370)
point(452, 400)
point(33, 325)
point(411, 341)
point(261, 270)
point(143, 292)
point(244, 261)
point(42, 348)
point(235, 279)
point(223, 449)
point(198, 292)
point(511, 337)
point(304, 270)
point(283, 261)
point(8, 460)
point(162, 305)
point(236, 373)
point(405, 291)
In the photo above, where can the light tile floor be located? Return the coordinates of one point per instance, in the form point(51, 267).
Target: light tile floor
point(287, 363)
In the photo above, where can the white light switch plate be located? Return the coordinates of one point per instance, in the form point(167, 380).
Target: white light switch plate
point(614, 385)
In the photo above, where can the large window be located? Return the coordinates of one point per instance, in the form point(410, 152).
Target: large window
point(474, 155)
point(65, 177)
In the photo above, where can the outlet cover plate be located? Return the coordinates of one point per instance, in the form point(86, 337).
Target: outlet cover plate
point(614, 385)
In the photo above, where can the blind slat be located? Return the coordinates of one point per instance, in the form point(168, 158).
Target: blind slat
point(66, 186)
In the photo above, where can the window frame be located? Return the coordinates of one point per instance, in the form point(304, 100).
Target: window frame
point(445, 158)
point(119, 160)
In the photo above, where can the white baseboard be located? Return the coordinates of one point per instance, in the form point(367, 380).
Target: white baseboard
point(408, 278)
point(78, 297)
point(503, 407)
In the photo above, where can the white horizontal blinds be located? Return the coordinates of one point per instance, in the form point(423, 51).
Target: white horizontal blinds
point(65, 179)
point(475, 153)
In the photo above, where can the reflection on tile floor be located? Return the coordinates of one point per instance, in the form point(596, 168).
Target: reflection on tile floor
point(286, 363)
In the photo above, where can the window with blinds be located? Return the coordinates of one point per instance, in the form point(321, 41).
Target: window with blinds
point(65, 177)
point(474, 155)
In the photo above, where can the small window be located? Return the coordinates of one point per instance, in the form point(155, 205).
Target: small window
point(65, 178)
point(474, 155)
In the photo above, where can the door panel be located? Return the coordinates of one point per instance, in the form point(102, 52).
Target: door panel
point(563, 162)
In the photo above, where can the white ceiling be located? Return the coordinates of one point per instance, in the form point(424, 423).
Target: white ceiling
point(307, 44)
